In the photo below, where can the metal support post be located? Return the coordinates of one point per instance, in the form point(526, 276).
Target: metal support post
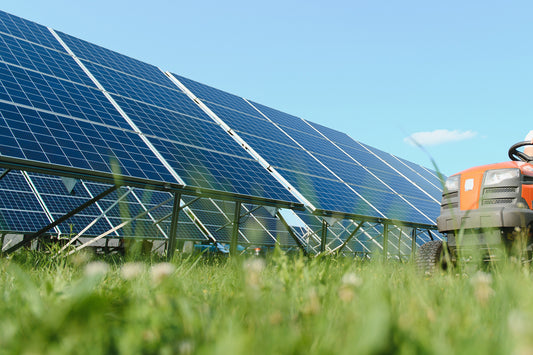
point(430, 234)
point(385, 240)
point(324, 236)
point(173, 234)
point(413, 243)
point(235, 232)
point(62, 219)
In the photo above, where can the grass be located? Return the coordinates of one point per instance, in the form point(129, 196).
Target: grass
point(285, 305)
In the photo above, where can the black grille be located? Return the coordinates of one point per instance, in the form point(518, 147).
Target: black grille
point(498, 201)
point(499, 190)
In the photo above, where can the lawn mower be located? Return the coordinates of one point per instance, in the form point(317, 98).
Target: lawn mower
point(485, 210)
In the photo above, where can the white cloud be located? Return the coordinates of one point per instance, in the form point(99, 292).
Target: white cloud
point(438, 136)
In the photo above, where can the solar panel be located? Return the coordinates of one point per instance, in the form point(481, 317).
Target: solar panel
point(28, 30)
point(73, 105)
point(52, 112)
point(19, 208)
point(326, 174)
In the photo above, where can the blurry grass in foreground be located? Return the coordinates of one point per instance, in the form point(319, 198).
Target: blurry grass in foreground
point(278, 305)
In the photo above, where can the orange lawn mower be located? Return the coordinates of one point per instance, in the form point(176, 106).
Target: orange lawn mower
point(487, 211)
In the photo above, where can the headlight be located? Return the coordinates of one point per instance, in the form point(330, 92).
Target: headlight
point(452, 183)
point(496, 177)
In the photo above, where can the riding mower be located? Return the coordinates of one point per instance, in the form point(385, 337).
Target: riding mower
point(485, 211)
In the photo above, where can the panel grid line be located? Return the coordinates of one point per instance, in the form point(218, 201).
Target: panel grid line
point(119, 109)
point(312, 155)
point(243, 143)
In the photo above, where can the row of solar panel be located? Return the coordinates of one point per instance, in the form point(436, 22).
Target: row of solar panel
point(30, 201)
point(50, 111)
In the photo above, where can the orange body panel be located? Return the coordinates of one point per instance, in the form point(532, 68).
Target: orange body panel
point(471, 180)
point(470, 189)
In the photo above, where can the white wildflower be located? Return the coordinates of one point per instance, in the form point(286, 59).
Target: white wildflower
point(481, 282)
point(161, 271)
point(96, 268)
point(130, 271)
point(351, 279)
point(349, 282)
point(186, 347)
point(253, 269)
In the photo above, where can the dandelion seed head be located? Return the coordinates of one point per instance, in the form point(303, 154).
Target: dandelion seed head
point(481, 282)
point(161, 271)
point(96, 268)
point(253, 269)
point(130, 271)
point(351, 279)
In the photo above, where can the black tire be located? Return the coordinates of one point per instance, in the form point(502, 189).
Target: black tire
point(430, 257)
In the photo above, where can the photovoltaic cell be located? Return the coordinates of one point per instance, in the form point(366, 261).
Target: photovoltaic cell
point(28, 30)
point(218, 97)
point(35, 90)
point(258, 127)
point(369, 178)
point(285, 120)
point(19, 208)
point(50, 111)
point(144, 90)
point(48, 138)
point(177, 127)
point(223, 172)
point(41, 59)
point(108, 58)
point(200, 152)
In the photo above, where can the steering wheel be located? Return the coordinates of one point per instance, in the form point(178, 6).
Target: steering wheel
point(517, 155)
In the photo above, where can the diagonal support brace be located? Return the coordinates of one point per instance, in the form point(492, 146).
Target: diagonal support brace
point(291, 233)
point(4, 173)
point(62, 219)
point(339, 249)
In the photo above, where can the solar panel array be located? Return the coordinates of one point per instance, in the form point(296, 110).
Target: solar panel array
point(52, 112)
point(331, 170)
point(67, 103)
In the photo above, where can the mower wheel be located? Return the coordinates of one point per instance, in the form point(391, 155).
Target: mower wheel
point(430, 257)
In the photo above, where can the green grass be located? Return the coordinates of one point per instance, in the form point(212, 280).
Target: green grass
point(283, 304)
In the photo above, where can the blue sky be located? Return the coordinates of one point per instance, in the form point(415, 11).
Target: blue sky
point(454, 75)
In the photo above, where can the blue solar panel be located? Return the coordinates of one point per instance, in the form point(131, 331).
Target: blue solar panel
point(199, 151)
point(416, 173)
point(218, 97)
point(144, 90)
point(41, 59)
point(179, 128)
point(287, 158)
point(28, 30)
point(285, 120)
point(108, 58)
point(251, 125)
point(329, 195)
point(44, 137)
point(51, 112)
point(19, 208)
point(377, 183)
point(59, 96)
point(213, 170)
